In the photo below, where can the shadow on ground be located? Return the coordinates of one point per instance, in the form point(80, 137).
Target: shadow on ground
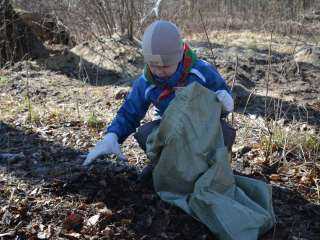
point(49, 175)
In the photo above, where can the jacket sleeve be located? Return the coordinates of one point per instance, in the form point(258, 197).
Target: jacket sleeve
point(214, 81)
point(130, 113)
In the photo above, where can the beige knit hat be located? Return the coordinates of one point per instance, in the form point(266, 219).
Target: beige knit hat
point(162, 44)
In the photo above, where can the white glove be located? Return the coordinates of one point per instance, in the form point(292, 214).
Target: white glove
point(108, 145)
point(226, 101)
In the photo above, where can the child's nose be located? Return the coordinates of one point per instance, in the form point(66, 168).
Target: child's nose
point(159, 71)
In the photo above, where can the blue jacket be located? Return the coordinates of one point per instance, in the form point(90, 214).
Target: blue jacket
point(143, 94)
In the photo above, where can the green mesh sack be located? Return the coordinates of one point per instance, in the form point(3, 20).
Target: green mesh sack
point(192, 169)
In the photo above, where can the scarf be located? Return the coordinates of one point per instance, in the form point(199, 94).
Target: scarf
point(189, 58)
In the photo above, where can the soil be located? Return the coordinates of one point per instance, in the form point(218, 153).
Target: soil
point(74, 96)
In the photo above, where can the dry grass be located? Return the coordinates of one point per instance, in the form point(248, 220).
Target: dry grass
point(255, 40)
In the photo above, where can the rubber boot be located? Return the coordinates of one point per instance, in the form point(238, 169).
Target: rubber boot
point(146, 174)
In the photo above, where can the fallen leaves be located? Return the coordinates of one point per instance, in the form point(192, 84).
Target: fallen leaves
point(92, 221)
point(107, 232)
point(73, 220)
point(275, 177)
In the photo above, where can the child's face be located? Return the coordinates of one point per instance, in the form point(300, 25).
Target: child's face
point(164, 72)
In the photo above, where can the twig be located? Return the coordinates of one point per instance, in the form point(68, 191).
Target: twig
point(298, 67)
point(46, 157)
point(248, 100)
point(266, 101)
point(235, 74)
point(265, 130)
point(296, 42)
point(299, 113)
point(305, 160)
point(227, 34)
point(8, 157)
point(214, 61)
point(232, 116)
point(284, 146)
point(273, 220)
point(80, 66)
point(268, 77)
point(317, 185)
point(97, 75)
point(28, 94)
point(4, 138)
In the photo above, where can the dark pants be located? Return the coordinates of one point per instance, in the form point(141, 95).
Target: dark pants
point(229, 133)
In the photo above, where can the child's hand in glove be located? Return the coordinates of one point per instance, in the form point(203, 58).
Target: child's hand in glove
point(109, 145)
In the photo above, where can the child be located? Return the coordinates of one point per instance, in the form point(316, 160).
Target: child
point(170, 64)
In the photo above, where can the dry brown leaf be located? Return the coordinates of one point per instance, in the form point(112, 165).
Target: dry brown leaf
point(35, 192)
point(100, 195)
point(127, 221)
point(106, 213)
point(107, 232)
point(73, 235)
point(72, 221)
point(23, 211)
point(82, 207)
point(23, 202)
point(100, 205)
point(275, 177)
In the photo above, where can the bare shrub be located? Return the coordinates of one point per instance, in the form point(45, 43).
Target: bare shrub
point(89, 19)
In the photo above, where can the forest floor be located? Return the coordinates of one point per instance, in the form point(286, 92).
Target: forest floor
point(74, 95)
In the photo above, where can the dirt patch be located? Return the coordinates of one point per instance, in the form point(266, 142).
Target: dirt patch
point(293, 80)
point(308, 55)
point(105, 61)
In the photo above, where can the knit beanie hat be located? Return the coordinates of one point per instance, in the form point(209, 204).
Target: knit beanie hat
point(162, 44)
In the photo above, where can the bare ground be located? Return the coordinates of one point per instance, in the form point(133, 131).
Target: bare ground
point(74, 96)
